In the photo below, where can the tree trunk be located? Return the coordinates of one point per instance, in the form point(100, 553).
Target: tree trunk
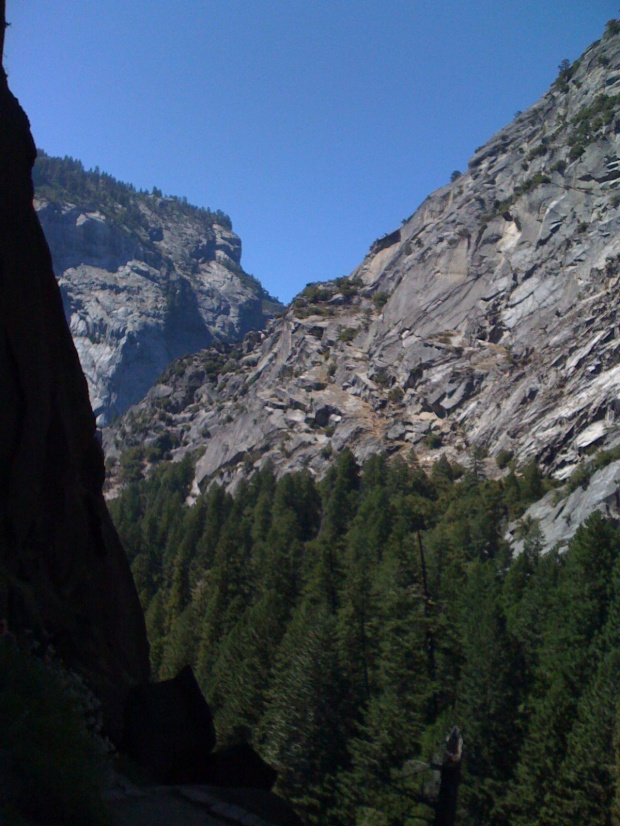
point(445, 808)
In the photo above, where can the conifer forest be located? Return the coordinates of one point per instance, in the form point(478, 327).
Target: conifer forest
point(344, 627)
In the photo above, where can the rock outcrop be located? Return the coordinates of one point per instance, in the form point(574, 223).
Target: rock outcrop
point(169, 727)
point(558, 514)
point(63, 573)
point(144, 279)
point(488, 321)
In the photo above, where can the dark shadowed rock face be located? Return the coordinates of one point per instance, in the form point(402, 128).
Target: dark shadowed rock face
point(63, 571)
point(169, 728)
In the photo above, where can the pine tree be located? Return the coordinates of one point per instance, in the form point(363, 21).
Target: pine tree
point(241, 675)
point(586, 783)
point(218, 506)
point(178, 646)
point(302, 729)
point(490, 693)
point(364, 544)
point(573, 645)
point(229, 588)
point(380, 783)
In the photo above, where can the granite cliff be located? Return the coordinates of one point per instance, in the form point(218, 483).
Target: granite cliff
point(64, 577)
point(487, 322)
point(144, 278)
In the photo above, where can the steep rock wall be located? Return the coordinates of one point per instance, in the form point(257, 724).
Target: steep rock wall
point(63, 572)
point(488, 321)
point(144, 279)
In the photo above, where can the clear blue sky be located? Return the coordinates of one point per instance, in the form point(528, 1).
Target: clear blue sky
point(316, 125)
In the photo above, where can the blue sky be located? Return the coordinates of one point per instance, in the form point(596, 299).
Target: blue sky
point(316, 125)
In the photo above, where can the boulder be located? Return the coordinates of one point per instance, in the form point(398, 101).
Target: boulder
point(169, 728)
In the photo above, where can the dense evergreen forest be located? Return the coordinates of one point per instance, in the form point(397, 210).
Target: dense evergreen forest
point(345, 626)
point(65, 179)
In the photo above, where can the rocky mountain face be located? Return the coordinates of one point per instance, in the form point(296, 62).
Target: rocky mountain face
point(144, 279)
point(487, 322)
point(64, 577)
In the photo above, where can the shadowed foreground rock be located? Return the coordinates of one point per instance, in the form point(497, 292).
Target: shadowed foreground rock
point(63, 571)
point(238, 766)
point(169, 732)
point(197, 806)
point(169, 728)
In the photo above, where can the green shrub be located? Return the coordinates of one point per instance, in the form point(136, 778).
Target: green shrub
point(327, 450)
point(537, 152)
point(381, 377)
point(250, 457)
point(132, 463)
point(582, 475)
point(380, 300)
point(304, 310)
point(433, 440)
point(347, 334)
point(316, 293)
point(503, 458)
point(589, 123)
point(348, 287)
point(612, 265)
point(576, 151)
point(612, 27)
point(59, 768)
point(531, 183)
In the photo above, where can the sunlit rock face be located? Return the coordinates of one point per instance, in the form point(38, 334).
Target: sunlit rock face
point(488, 320)
point(142, 283)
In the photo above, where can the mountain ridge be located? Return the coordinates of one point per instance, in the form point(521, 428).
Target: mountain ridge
point(486, 322)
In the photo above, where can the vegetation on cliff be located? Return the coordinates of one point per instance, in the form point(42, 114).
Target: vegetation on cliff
point(345, 626)
point(66, 179)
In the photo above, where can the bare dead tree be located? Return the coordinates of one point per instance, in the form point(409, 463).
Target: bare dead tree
point(441, 795)
point(450, 770)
